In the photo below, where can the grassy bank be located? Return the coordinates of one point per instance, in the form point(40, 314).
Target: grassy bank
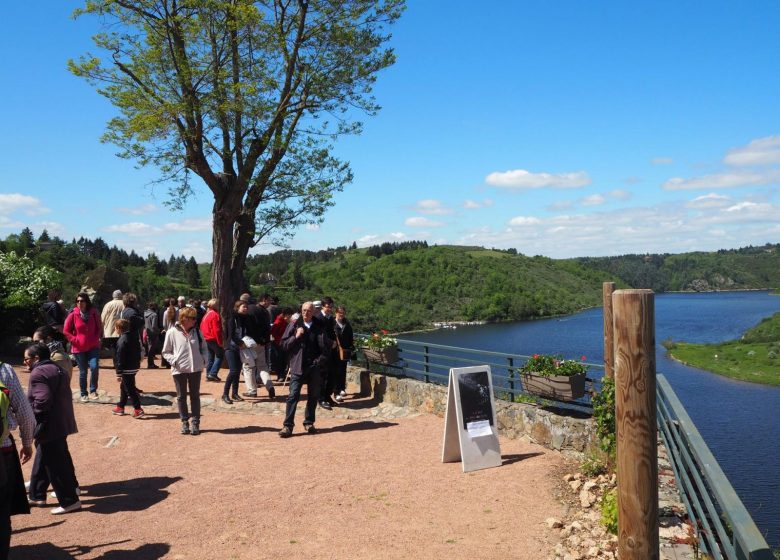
point(755, 357)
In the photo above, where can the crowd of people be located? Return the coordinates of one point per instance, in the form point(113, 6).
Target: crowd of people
point(309, 346)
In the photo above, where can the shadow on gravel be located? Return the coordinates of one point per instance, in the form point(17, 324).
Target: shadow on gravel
point(241, 430)
point(27, 529)
point(359, 404)
point(509, 459)
point(48, 551)
point(357, 426)
point(135, 494)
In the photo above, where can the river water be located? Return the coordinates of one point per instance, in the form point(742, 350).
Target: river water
point(740, 421)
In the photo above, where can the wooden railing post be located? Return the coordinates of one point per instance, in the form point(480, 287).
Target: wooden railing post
point(635, 412)
point(609, 341)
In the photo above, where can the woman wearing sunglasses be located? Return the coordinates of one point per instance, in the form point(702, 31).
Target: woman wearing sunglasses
point(83, 329)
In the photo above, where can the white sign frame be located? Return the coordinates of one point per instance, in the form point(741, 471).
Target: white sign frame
point(471, 435)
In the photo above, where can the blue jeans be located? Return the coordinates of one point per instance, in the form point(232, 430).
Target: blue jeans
point(234, 365)
point(216, 353)
point(88, 359)
point(311, 377)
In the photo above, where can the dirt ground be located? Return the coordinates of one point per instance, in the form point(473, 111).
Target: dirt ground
point(370, 484)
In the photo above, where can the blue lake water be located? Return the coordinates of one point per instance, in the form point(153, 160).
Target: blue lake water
point(739, 421)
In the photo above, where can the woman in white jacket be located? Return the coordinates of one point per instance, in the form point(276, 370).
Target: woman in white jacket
point(185, 349)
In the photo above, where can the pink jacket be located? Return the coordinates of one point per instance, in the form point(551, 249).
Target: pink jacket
point(83, 335)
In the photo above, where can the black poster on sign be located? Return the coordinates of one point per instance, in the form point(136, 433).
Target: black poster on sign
point(475, 398)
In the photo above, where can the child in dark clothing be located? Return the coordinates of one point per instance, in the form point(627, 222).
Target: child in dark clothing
point(128, 361)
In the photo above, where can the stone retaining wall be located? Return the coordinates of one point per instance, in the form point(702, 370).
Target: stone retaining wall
point(570, 435)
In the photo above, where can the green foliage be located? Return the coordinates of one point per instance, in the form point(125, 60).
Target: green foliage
point(604, 415)
point(23, 288)
point(545, 366)
point(745, 268)
point(768, 330)
point(596, 462)
point(609, 511)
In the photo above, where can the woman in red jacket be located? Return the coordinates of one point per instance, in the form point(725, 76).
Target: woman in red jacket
point(83, 329)
point(211, 327)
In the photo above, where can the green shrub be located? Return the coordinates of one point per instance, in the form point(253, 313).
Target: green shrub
point(609, 511)
point(604, 414)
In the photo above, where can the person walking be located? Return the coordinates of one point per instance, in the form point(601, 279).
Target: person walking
point(185, 349)
point(211, 327)
point(83, 329)
point(128, 362)
point(111, 312)
point(345, 340)
point(238, 331)
point(16, 413)
point(278, 356)
point(309, 350)
point(152, 330)
point(52, 405)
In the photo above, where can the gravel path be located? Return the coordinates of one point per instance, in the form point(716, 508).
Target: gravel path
point(370, 484)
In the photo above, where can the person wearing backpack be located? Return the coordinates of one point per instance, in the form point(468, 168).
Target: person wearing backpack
point(52, 403)
point(15, 411)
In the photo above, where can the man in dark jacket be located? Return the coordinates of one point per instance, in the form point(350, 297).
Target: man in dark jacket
point(309, 349)
point(52, 403)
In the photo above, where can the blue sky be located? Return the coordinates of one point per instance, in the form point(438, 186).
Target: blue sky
point(563, 128)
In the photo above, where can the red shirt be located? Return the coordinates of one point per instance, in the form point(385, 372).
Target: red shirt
point(211, 326)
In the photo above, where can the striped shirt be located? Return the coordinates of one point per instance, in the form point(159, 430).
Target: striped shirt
point(20, 414)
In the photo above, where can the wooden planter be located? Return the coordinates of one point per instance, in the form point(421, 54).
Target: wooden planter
point(558, 387)
point(386, 356)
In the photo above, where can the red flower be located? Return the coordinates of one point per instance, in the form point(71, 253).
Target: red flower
point(583, 358)
point(536, 356)
point(385, 331)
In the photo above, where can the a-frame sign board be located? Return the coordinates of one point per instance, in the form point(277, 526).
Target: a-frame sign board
point(470, 426)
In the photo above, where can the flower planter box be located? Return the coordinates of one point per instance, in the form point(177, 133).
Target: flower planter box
point(387, 355)
point(558, 387)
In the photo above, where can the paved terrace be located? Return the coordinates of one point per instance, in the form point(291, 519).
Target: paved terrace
point(370, 484)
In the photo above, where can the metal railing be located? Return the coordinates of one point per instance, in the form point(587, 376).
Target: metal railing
point(723, 525)
point(431, 363)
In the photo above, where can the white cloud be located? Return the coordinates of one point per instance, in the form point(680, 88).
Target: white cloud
point(725, 180)
point(7, 223)
point(662, 161)
point(469, 204)
point(763, 151)
point(313, 227)
point(711, 200)
point(132, 228)
point(524, 221)
point(670, 227)
point(398, 235)
point(560, 205)
point(522, 179)
point(53, 228)
point(15, 202)
point(620, 194)
point(420, 221)
point(593, 200)
point(430, 206)
point(190, 224)
point(138, 210)
point(367, 240)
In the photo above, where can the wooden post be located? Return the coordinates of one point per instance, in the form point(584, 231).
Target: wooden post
point(637, 453)
point(609, 341)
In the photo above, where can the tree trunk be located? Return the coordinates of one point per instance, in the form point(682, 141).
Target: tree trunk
point(224, 286)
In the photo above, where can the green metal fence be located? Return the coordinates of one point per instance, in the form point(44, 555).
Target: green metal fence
point(724, 527)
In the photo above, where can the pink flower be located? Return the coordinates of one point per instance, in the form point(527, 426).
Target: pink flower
point(582, 358)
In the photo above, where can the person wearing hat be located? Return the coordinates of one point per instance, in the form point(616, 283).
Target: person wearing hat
point(111, 312)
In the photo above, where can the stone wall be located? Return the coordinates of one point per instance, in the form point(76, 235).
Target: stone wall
point(568, 434)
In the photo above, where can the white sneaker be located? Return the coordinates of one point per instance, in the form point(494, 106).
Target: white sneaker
point(342, 393)
point(93, 396)
point(27, 485)
point(83, 398)
point(54, 494)
point(338, 399)
point(67, 509)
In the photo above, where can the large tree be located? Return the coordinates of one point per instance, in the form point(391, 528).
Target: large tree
point(247, 95)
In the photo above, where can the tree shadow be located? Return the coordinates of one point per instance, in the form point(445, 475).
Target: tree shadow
point(161, 415)
point(241, 430)
point(48, 551)
point(516, 457)
point(136, 494)
point(156, 398)
point(357, 426)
